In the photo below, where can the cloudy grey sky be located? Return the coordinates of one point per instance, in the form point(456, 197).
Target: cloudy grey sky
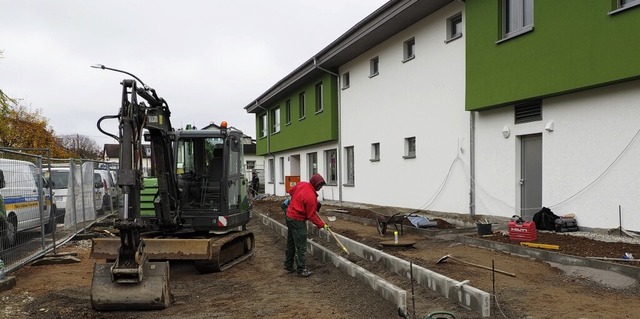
point(208, 59)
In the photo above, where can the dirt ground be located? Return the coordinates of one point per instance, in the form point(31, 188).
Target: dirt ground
point(260, 288)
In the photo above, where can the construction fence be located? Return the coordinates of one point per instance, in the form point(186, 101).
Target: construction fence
point(45, 202)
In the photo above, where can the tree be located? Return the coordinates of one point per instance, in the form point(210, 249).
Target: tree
point(80, 145)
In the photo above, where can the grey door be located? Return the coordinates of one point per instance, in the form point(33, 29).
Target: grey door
point(531, 175)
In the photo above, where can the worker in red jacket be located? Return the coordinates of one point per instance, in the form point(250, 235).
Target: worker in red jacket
point(302, 207)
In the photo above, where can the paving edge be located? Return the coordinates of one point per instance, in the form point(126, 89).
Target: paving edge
point(466, 296)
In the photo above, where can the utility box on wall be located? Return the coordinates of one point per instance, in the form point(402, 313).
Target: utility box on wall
point(290, 181)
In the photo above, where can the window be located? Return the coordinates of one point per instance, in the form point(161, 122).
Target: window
point(272, 171)
point(262, 125)
point(251, 165)
point(454, 27)
point(275, 120)
point(303, 111)
point(622, 5)
point(375, 152)
point(287, 111)
point(319, 98)
point(331, 163)
point(281, 175)
point(409, 147)
point(373, 67)
point(345, 80)
point(528, 112)
point(351, 177)
point(312, 159)
point(517, 17)
point(409, 52)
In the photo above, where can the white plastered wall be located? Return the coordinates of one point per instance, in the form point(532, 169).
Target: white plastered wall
point(590, 159)
point(421, 98)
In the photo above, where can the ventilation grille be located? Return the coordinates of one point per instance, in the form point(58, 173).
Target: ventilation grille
point(528, 112)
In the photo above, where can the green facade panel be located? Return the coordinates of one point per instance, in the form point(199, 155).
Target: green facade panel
point(575, 44)
point(314, 128)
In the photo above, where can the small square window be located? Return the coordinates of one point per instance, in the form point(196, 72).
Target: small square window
point(409, 49)
point(623, 5)
point(375, 152)
point(517, 17)
point(409, 147)
point(373, 67)
point(345, 80)
point(454, 27)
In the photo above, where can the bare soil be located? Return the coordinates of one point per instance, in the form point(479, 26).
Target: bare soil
point(260, 288)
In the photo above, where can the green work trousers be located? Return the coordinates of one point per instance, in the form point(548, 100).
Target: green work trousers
point(296, 244)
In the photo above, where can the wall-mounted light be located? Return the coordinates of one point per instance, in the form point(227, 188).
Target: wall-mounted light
point(506, 132)
point(549, 126)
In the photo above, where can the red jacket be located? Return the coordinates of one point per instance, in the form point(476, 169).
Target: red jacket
point(304, 204)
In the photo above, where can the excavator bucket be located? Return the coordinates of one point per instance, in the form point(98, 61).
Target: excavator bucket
point(151, 293)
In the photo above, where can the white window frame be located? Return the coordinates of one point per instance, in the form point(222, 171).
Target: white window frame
point(350, 164)
point(275, 119)
point(272, 173)
point(410, 147)
point(345, 80)
point(331, 166)
point(281, 172)
point(622, 5)
point(453, 23)
point(374, 67)
point(521, 11)
point(375, 152)
point(263, 125)
point(319, 97)
point(312, 163)
point(302, 107)
point(287, 111)
point(408, 50)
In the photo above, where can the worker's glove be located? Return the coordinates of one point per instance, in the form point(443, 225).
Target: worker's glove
point(326, 227)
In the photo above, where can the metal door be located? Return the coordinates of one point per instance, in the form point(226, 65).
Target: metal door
point(530, 175)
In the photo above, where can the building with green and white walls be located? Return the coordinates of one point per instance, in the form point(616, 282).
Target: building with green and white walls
point(555, 91)
point(490, 108)
point(391, 128)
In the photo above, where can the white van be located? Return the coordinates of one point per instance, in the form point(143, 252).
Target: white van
point(58, 179)
point(22, 200)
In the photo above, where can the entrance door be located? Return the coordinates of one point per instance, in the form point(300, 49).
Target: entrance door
point(530, 175)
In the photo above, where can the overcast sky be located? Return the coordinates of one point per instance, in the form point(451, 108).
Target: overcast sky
point(207, 59)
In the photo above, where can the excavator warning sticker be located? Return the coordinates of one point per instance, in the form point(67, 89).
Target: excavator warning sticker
point(222, 221)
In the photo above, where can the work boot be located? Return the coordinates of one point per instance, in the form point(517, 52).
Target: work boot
point(304, 272)
point(289, 269)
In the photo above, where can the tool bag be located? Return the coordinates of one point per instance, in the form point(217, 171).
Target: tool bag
point(566, 225)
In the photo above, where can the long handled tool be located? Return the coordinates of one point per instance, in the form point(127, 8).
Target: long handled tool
point(445, 257)
point(338, 240)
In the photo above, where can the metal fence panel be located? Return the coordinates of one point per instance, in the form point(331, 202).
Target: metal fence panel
point(45, 202)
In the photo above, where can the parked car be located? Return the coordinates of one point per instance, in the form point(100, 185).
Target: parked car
point(22, 201)
point(106, 191)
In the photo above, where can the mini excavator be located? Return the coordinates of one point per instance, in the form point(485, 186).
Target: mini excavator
point(199, 211)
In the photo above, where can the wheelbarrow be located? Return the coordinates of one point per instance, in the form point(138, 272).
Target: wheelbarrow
point(382, 221)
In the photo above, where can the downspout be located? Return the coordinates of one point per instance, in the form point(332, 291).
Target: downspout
point(338, 90)
point(269, 145)
point(472, 164)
